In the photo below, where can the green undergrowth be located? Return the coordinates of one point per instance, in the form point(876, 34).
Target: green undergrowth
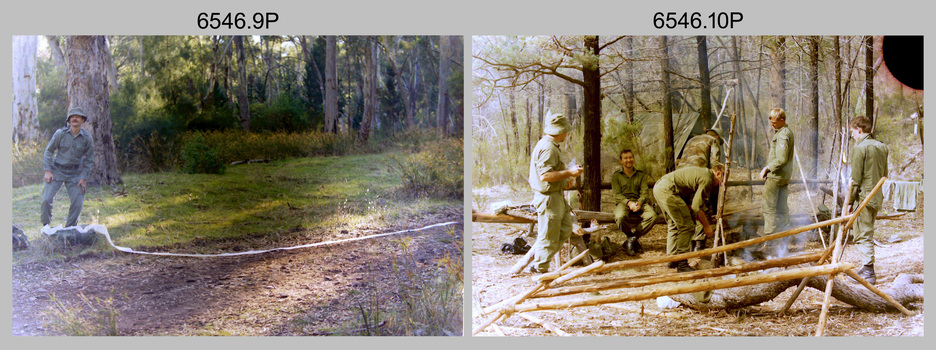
point(251, 206)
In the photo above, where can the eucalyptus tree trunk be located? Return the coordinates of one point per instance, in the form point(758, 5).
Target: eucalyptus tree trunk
point(87, 60)
point(403, 85)
point(25, 108)
point(331, 84)
point(370, 89)
point(444, 102)
point(242, 101)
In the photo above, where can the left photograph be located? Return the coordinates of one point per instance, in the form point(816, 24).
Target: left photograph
point(290, 185)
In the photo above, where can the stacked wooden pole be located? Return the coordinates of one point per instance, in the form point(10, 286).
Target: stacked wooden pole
point(546, 282)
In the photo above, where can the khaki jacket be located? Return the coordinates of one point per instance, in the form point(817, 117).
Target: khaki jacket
point(868, 165)
point(780, 157)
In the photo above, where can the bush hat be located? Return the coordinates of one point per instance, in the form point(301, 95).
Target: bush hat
point(556, 124)
point(76, 111)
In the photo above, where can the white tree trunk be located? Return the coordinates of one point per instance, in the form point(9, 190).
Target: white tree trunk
point(25, 110)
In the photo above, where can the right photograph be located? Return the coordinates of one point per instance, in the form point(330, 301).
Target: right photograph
point(697, 185)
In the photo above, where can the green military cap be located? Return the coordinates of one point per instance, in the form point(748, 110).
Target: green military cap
point(556, 124)
point(76, 111)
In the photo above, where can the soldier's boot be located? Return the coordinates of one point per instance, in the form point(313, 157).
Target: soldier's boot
point(635, 244)
point(682, 266)
point(698, 245)
point(867, 272)
point(632, 247)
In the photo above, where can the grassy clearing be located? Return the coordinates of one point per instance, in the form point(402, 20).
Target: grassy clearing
point(252, 203)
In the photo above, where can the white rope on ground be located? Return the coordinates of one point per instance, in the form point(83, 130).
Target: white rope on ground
point(103, 230)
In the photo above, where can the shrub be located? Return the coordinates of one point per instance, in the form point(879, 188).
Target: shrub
point(199, 157)
point(436, 170)
point(150, 153)
point(27, 163)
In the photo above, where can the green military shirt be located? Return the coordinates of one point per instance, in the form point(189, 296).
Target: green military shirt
point(692, 182)
point(868, 166)
point(701, 151)
point(632, 188)
point(545, 158)
point(70, 150)
point(780, 157)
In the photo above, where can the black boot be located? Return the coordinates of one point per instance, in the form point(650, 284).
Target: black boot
point(626, 247)
point(867, 272)
point(635, 244)
point(698, 245)
point(683, 266)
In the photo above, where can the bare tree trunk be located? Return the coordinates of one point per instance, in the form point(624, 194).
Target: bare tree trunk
point(629, 84)
point(444, 102)
point(869, 79)
point(669, 161)
point(529, 129)
point(705, 93)
point(307, 51)
point(837, 99)
point(403, 85)
point(242, 101)
point(87, 59)
point(571, 106)
point(591, 194)
point(812, 120)
point(370, 89)
point(778, 74)
point(511, 96)
point(331, 84)
point(25, 109)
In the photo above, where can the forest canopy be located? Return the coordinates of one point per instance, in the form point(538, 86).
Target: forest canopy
point(163, 87)
point(638, 92)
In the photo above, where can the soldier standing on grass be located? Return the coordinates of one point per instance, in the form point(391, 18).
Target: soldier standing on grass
point(689, 185)
point(868, 165)
point(776, 175)
point(703, 151)
point(548, 178)
point(67, 160)
point(633, 213)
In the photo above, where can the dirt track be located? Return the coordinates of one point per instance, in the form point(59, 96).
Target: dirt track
point(301, 292)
